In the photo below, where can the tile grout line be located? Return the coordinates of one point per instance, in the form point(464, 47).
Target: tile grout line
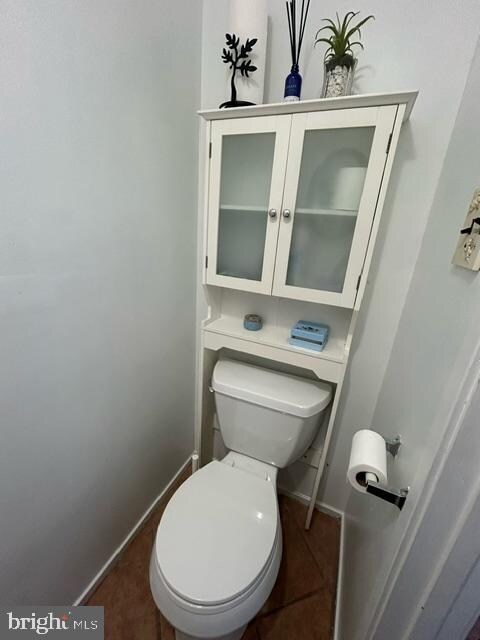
point(304, 535)
point(305, 596)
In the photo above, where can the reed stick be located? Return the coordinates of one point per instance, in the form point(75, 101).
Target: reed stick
point(296, 42)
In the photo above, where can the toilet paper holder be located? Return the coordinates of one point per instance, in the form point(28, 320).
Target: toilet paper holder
point(393, 445)
point(394, 496)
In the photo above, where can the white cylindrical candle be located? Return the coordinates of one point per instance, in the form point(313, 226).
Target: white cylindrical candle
point(347, 188)
point(248, 19)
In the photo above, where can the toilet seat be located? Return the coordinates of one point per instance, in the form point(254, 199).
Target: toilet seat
point(217, 535)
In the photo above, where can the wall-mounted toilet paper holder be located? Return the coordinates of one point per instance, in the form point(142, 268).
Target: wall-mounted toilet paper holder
point(394, 496)
point(393, 445)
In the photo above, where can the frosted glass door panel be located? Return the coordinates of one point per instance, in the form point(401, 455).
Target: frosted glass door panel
point(319, 251)
point(241, 243)
point(246, 176)
point(332, 174)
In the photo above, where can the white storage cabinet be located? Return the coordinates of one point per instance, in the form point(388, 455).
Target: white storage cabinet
point(293, 199)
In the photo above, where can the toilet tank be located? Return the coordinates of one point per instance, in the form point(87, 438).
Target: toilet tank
point(267, 415)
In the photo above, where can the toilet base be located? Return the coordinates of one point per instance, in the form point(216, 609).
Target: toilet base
point(234, 635)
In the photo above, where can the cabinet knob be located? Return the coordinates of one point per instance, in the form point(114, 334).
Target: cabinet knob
point(286, 213)
point(272, 213)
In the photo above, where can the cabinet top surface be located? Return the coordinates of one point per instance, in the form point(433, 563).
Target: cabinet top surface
point(322, 104)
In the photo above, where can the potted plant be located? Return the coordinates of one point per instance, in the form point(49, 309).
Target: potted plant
point(340, 61)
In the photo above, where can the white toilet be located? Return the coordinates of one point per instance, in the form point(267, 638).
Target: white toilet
point(219, 543)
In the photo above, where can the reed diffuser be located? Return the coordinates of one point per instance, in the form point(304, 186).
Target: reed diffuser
point(293, 82)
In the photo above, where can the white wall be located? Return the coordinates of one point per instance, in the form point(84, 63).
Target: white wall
point(437, 337)
point(403, 50)
point(98, 145)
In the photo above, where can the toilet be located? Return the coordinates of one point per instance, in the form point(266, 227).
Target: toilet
point(219, 543)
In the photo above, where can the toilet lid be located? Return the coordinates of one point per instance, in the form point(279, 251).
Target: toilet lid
point(217, 534)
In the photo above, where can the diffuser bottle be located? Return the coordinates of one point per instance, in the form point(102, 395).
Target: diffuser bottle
point(293, 85)
point(296, 31)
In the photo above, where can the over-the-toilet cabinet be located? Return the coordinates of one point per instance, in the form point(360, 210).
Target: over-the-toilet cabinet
point(291, 201)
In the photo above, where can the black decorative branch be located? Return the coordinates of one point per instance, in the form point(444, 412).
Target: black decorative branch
point(239, 60)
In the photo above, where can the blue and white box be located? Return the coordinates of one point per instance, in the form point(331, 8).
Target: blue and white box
point(309, 335)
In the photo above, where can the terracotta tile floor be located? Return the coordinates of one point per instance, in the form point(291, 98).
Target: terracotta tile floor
point(300, 607)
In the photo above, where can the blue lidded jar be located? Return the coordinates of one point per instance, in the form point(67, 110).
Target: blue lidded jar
point(293, 85)
point(252, 322)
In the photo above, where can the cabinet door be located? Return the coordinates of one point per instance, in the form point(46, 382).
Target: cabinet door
point(247, 175)
point(335, 168)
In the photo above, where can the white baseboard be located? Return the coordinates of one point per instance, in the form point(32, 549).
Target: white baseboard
point(321, 506)
point(336, 513)
point(338, 595)
point(113, 558)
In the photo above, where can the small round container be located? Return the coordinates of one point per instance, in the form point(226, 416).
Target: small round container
point(252, 322)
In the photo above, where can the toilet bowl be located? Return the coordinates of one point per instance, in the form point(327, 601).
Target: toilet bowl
point(219, 543)
point(218, 549)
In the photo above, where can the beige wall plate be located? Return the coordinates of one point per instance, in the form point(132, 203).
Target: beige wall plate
point(467, 253)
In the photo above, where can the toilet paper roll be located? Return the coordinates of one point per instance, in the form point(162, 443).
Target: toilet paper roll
point(367, 456)
point(348, 187)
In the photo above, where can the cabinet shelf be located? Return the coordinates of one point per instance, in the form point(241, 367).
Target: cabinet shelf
point(327, 212)
point(272, 342)
point(303, 210)
point(243, 207)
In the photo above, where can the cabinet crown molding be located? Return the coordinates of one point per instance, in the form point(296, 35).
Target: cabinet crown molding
point(321, 104)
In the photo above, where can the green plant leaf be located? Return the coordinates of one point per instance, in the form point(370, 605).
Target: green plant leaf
point(340, 34)
point(330, 28)
point(356, 28)
point(346, 21)
point(331, 24)
point(326, 40)
point(357, 43)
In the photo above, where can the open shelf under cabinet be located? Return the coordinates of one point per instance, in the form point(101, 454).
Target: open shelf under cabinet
point(272, 342)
